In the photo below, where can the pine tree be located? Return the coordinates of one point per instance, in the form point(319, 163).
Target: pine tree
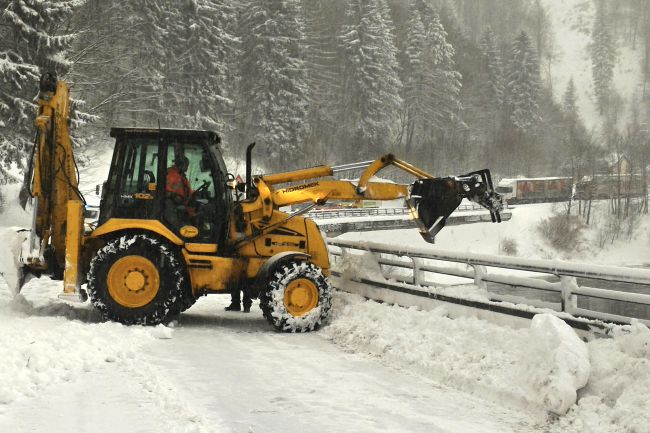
point(124, 55)
point(431, 84)
point(603, 58)
point(31, 42)
point(494, 85)
point(371, 88)
point(523, 85)
point(273, 77)
point(201, 78)
point(445, 84)
point(575, 134)
point(323, 76)
point(569, 100)
point(415, 70)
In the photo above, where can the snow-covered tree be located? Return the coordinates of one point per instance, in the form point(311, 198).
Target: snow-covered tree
point(494, 84)
point(370, 98)
point(118, 61)
point(273, 77)
point(33, 40)
point(603, 58)
point(570, 100)
point(523, 85)
point(431, 83)
point(574, 135)
point(415, 70)
point(323, 76)
point(201, 73)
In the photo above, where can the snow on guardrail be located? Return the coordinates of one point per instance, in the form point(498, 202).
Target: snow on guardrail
point(419, 261)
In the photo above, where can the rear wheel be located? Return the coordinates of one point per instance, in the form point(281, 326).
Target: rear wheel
point(297, 297)
point(137, 279)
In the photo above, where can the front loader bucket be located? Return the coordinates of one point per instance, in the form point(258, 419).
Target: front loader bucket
point(433, 200)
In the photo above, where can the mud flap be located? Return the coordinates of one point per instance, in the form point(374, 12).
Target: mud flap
point(432, 200)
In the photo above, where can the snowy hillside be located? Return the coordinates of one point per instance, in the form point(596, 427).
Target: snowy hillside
point(572, 22)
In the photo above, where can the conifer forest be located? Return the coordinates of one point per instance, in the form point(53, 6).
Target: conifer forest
point(454, 85)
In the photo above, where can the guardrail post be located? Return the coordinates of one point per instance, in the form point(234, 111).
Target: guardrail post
point(479, 272)
point(569, 300)
point(417, 278)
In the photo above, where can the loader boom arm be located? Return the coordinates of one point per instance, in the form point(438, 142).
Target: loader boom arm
point(430, 199)
point(52, 184)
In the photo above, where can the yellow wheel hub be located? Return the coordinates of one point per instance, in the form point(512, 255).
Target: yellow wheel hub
point(133, 281)
point(300, 297)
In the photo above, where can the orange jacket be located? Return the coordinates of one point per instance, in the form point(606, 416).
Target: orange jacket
point(178, 184)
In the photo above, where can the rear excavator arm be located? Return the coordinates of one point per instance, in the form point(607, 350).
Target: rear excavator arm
point(52, 185)
point(430, 199)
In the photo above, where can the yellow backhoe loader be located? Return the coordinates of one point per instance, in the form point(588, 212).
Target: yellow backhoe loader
point(152, 254)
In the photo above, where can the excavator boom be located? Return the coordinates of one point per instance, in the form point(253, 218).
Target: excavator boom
point(430, 199)
point(51, 185)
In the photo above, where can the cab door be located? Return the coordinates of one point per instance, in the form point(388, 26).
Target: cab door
point(131, 189)
point(196, 211)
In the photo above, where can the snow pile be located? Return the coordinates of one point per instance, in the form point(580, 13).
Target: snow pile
point(540, 367)
point(557, 365)
point(56, 351)
point(11, 246)
point(46, 344)
point(355, 265)
point(616, 397)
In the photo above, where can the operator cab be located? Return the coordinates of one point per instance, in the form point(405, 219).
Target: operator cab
point(177, 177)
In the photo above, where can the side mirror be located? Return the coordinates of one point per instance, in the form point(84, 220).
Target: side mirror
point(231, 182)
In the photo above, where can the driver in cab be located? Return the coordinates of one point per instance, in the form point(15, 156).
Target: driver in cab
point(178, 189)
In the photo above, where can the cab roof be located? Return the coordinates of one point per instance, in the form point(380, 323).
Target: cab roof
point(167, 132)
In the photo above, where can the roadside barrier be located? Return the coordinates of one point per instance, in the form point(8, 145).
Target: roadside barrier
point(413, 264)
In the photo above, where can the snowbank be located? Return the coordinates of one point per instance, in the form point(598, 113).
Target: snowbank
point(557, 364)
point(44, 342)
point(616, 397)
point(538, 368)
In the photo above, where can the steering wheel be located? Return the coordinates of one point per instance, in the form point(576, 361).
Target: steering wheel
point(200, 189)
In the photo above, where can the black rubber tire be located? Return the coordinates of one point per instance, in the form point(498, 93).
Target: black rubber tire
point(272, 298)
point(173, 281)
point(187, 299)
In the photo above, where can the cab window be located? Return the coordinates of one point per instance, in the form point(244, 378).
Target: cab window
point(190, 193)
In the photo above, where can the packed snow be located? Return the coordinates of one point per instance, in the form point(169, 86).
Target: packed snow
point(373, 367)
point(192, 377)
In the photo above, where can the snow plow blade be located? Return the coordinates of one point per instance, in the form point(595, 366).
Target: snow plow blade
point(433, 200)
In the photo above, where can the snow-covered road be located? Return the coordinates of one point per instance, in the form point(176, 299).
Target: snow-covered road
point(215, 372)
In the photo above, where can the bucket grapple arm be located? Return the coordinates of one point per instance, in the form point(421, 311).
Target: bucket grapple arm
point(431, 199)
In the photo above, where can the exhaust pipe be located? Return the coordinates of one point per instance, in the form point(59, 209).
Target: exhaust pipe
point(249, 168)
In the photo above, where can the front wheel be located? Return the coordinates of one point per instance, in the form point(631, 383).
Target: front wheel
point(137, 279)
point(297, 298)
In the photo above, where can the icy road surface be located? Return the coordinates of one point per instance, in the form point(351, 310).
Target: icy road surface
point(65, 371)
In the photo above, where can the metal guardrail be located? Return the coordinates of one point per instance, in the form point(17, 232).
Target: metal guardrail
point(381, 211)
point(337, 221)
point(343, 213)
point(418, 261)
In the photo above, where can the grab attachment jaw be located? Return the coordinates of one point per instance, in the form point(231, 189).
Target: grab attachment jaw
point(432, 200)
